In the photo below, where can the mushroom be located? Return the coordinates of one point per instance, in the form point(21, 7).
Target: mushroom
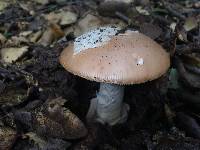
point(114, 59)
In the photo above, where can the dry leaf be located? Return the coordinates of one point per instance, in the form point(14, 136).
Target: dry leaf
point(182, 35)
point(190, 23)
point(52, 33)
point(62, 17)
point(34, 37)
point(68, 18)
point(3, 4)
point(2, 39)
point(43, 2)
point(87, 23)
point(173, 26)
point(12, 54)
point(142, 10)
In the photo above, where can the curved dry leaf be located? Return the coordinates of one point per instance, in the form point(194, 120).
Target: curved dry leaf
point(52, 33)
point(34, 37)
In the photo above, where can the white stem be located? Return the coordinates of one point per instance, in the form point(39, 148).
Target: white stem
point(108, 105)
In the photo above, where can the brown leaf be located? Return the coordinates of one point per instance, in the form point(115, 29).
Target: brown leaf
point(52, 33)
point(12, 54)
point(56, 121)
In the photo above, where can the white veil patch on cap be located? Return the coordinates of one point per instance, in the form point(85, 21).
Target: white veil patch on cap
point(94, 38)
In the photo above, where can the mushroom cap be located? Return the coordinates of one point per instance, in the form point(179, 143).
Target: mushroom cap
point(128, 58)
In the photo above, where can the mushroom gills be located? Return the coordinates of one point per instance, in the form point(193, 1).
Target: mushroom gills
point(108, 106)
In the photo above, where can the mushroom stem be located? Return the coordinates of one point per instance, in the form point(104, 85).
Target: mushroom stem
point(108, 106)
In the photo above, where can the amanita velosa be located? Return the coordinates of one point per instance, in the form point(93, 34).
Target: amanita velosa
point(114, 59)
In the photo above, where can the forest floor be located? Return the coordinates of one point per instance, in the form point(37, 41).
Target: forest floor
point(42, 106)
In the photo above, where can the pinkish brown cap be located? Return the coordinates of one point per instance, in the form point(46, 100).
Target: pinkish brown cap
point(103, 56)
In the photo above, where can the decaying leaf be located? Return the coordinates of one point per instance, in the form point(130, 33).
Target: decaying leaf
point(3, 4)
point(7, 137)
point(58, 122)
point(190, 23)
point(12, 96)
point(52, 33)
point(57, 31)
point(12, 54)
point(39, 143)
